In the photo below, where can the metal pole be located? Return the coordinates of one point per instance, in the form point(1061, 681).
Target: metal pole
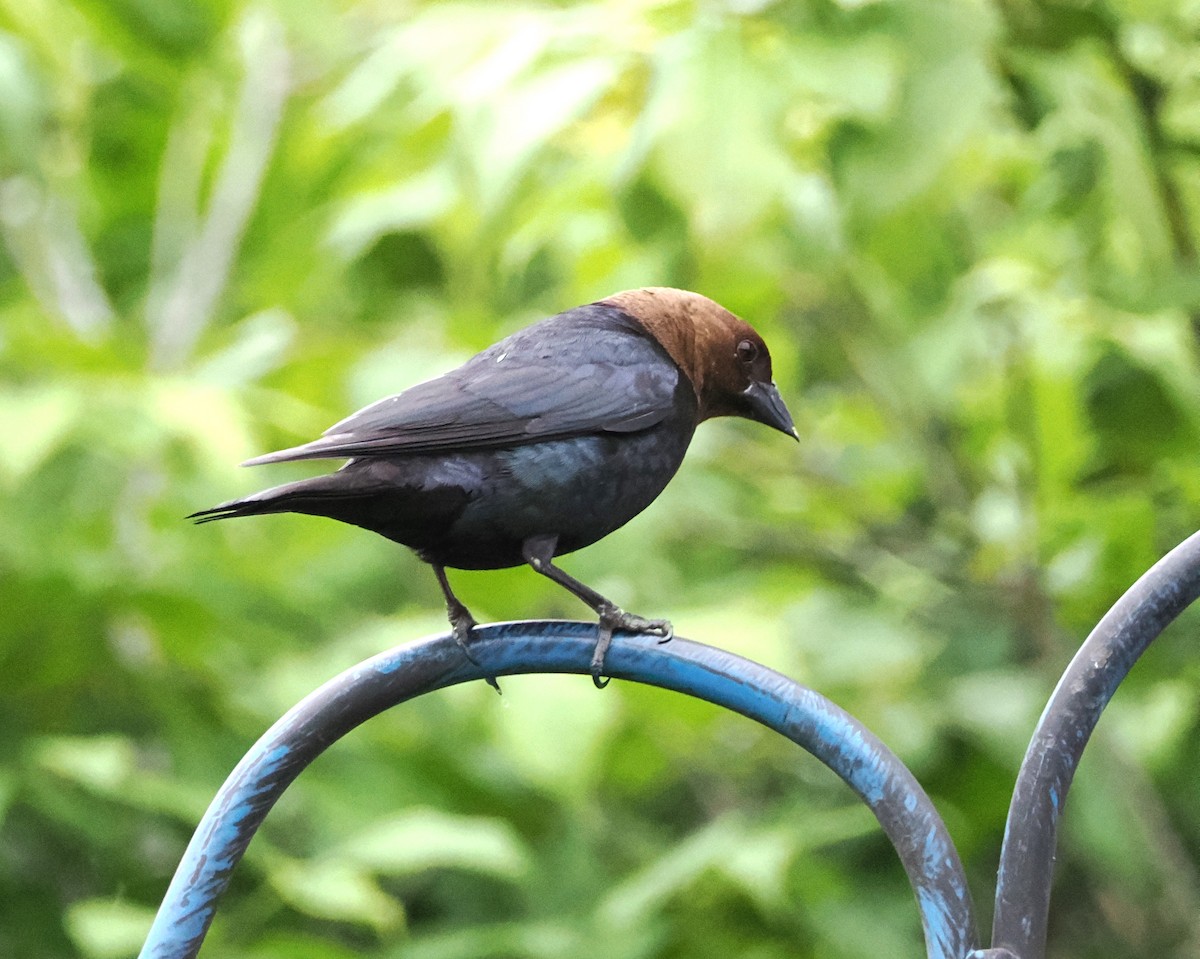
point(804, 716)
point(1104, 659)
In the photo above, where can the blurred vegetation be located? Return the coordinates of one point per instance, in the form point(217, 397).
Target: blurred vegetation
point(967, 229)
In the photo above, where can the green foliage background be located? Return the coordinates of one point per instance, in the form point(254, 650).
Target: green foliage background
point(967, 230)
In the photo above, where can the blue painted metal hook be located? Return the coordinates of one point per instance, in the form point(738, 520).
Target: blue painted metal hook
point(1103, 661)
point(804, 716)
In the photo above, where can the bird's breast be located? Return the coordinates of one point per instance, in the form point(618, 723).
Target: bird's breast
point(579, 490)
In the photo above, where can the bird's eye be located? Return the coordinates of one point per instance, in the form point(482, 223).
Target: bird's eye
point(747, 351)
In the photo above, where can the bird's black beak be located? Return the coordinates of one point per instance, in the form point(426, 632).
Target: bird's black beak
point(767, 406)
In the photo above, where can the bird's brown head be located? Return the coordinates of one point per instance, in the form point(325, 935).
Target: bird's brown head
point(722, 355)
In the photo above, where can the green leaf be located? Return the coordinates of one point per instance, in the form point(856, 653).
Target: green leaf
point(338, 890)
point(34, 423)
point(108, 928)
point(423, 839)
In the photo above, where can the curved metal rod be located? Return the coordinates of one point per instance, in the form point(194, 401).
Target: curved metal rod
point(1104, 659)
point(804, 716)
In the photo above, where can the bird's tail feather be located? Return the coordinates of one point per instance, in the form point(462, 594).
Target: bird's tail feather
point(303, 496)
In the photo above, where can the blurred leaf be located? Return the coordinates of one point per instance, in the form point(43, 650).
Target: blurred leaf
point(338, 890)
point(100, 763)
point(203, 413)
point(416, 202)
point(108, 928)
point(756, 859)
point(561, 756)
point(22, 104)
point(536, 940)
point(33, 422)
point(261, 347)
point(423, 839)
point(507, 134)
point(701, 81)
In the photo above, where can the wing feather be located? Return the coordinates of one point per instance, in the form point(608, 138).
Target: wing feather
point(585, 371)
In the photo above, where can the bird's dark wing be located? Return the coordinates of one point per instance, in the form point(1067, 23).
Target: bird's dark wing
point(586, 371)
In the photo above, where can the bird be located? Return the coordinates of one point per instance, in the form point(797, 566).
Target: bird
point(540, 445)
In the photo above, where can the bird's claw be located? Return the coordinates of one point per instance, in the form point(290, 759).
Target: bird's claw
point(603, 641)
point(614, 619)
point(463, 625)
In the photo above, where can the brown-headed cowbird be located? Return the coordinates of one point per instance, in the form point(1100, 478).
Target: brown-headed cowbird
point(541, 444)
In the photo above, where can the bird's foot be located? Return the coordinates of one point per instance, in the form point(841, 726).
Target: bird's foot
point(614, 618)
point(463, 623)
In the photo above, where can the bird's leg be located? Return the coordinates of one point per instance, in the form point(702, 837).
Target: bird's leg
point(539, 553)
point(461, 620)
